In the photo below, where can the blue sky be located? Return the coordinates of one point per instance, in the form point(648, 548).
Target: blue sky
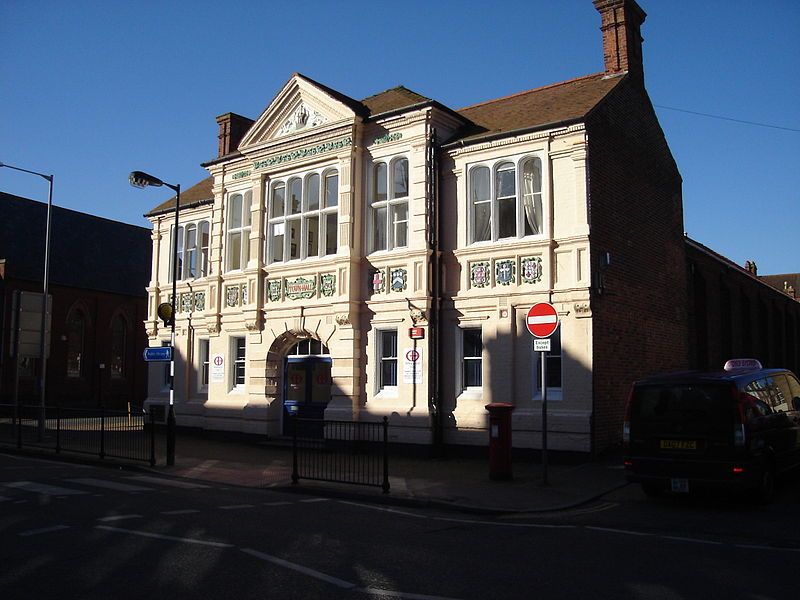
point(91, 90)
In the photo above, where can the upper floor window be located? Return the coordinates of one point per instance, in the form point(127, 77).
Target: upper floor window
point(303, 216)
point(193, 244)
point(389, 205)
point(238, 239)
point(505, 200)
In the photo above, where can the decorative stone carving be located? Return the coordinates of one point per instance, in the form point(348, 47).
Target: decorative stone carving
point(378, 281)
point(243, 294)
point(274, 290)
point(505, 272)
point(480, 274)
point(232, 295)
point(531, 269)
point(303, 117)
point(418, 317)
point(327, 285)
point(398, 279)
point(187, 303)
point(199, 301)
point(300, 287)
point(343, 319)
point(212, 327)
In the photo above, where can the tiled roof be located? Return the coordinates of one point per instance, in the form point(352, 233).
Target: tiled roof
point(781, 282)
point(560, 102)
point(393, 99)
point(86, 252)
point(200, 193)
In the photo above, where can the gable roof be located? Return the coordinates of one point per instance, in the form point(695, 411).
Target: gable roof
point(86, 252)
point(561, 102)
point(197, 195)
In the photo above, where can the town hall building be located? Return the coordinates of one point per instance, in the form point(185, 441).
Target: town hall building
point(354, 259)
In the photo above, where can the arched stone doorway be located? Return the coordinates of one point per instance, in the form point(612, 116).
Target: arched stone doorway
point(306, 382)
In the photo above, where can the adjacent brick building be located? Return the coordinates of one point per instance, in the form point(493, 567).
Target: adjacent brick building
point(98, 275)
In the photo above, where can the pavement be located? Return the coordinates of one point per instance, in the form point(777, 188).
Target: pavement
point(455, 483)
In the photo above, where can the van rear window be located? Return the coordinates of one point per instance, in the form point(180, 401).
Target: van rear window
point(683, 409)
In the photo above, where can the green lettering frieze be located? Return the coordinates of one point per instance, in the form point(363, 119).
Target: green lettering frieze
point(303, 153)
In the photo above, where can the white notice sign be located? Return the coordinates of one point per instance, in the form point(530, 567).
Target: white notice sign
point(217, 366)
point(541, 345)
point(412, 366)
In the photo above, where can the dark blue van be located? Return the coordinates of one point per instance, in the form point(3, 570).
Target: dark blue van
point(733, 429)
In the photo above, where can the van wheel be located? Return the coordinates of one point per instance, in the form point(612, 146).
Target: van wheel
point(765, 491)
point(652, 490)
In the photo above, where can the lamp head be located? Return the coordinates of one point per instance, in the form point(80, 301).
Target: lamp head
point(140, 179)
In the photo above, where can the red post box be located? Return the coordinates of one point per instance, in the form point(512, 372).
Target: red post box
point(500, 440)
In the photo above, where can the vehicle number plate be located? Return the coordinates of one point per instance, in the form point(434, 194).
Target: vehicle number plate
point(679, 486)
point(678, 445)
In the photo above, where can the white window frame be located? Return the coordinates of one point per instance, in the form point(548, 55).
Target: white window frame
point(203, 364)
point(199, 250)
point(283, 222)
point(390, 204)
point(473, 389)
point(237, 362)
point(537, 197)
point(380, 388)
point(553, 393)
point(243, 230)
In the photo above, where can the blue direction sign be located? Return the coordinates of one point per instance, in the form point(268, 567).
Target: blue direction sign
point(158, 354)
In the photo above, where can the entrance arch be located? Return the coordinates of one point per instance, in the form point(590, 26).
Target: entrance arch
point(306, 381)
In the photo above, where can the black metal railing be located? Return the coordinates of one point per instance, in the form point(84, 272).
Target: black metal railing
point(341, 451)
point(97, 431)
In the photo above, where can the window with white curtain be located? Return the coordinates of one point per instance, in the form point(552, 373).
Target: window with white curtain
point(193, 247)
point(505, 199)
point(303, 216)
point(388, 196)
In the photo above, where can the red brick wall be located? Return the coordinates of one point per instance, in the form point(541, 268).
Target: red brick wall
point(734, 315)
point(636, 215)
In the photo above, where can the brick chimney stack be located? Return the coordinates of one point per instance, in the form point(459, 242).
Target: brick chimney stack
point(232, 128)
point(621, 22)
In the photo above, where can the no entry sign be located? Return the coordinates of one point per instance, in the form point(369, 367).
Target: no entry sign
point(542, 320)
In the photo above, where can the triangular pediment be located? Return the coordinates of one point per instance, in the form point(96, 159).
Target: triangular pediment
point(301, 106)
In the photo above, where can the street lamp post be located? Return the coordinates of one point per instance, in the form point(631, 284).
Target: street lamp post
point(45, 286)
point(142, 180)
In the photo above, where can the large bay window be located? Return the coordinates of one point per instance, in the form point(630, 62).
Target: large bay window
point(388, 197)
point(505, 200)
point(238, 226)
point(303, 216)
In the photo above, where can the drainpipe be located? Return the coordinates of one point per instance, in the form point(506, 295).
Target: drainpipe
point(434, 234)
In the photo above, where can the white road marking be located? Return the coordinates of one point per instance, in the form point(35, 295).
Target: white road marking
point(187, 485)
point(316, 500)
point(118, 518)
point(185, 511)
point(404, 595)
point(300, 569)
point(171, 538)
point(43, 530)
point(42, 488)
point(111, 485)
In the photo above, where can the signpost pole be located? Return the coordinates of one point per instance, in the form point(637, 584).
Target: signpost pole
point(543, 356)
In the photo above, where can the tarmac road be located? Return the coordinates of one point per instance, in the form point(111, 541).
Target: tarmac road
point(72, 531)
